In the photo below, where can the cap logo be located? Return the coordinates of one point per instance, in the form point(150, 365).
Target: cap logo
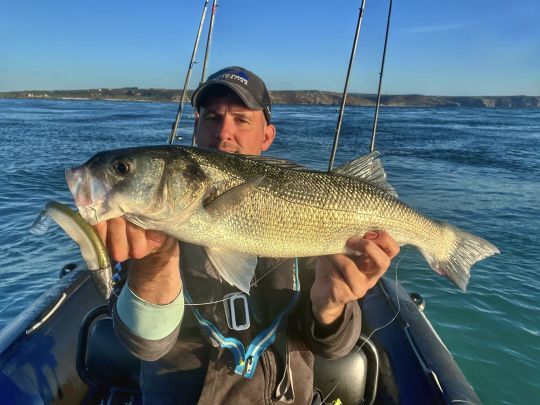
point(237, 75)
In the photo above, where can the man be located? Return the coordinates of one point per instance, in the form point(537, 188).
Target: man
point(179, 362)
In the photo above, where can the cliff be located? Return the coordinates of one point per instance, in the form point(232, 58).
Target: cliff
point(406, 100)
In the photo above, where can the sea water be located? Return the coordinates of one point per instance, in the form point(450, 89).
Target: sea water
point(476, 168)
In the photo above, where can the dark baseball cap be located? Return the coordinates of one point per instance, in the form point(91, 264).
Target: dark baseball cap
point(247, 85)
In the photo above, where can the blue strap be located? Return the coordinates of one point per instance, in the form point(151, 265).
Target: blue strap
point(265, 338)
point(234, 345)
point(261, 342)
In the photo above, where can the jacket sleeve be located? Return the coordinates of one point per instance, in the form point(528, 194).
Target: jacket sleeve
point(333, 343)
point(147, 330)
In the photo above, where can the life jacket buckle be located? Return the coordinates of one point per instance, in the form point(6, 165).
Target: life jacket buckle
point(236, 311)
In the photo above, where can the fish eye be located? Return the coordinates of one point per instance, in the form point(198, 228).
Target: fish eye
point(121, 167)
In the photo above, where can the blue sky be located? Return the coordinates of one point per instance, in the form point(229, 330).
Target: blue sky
point(473, 47)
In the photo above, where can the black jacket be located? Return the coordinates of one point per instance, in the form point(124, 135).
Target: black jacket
point(186, 367)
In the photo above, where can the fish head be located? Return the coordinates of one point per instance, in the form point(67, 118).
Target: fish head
point(150, 184)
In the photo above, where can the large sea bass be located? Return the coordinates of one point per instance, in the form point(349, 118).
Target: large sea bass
point(240, 207)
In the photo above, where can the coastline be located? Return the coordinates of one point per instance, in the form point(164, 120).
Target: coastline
point(289, 97)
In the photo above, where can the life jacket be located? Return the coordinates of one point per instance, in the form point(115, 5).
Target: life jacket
point(244, 324)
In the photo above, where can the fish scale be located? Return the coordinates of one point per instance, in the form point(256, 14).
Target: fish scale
point(304, 226)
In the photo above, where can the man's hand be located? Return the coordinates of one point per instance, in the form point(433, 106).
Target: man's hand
point(340, 279)
point(154, 273)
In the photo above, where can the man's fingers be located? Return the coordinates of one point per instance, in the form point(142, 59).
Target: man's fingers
point(101, 230)
point(343, 278)
point(117, 243)
point(380, 238)
point(386, 243)
point(376, 252)
point(349, 271)
point(137, 243)
point(125, 240)
point(155, 239)
point(379, 260)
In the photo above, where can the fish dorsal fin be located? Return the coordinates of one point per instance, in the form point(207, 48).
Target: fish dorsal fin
point(231, 198)
point(235, 267)
point(278, 162)
point(368, 168)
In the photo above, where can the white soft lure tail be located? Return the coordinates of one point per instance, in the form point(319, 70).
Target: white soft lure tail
point(92, 248)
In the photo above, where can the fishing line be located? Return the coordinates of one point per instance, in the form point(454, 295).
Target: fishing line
point(230, 296)
point(380, 327)
point(350, 252)
point(254, 282)
point(239, 293)
point(197, 304)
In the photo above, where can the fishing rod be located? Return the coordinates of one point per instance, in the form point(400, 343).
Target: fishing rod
point(376, 118)
point(208, 41)
point(206, 53)
point(344, 97)
point(172, 136)
point(371, 149)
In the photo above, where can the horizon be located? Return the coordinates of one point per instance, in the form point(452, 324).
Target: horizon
point(434, 49)
point(274, 90)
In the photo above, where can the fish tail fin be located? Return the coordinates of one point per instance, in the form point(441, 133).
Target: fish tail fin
point(466, 249)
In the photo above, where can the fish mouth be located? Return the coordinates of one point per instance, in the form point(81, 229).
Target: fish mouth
point(89, 193)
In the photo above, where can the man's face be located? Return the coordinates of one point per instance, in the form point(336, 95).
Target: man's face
point(226, 124)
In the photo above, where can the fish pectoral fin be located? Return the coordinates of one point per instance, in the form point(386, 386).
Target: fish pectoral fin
point(231, 198)
point(368, 168)
point(235, 267)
